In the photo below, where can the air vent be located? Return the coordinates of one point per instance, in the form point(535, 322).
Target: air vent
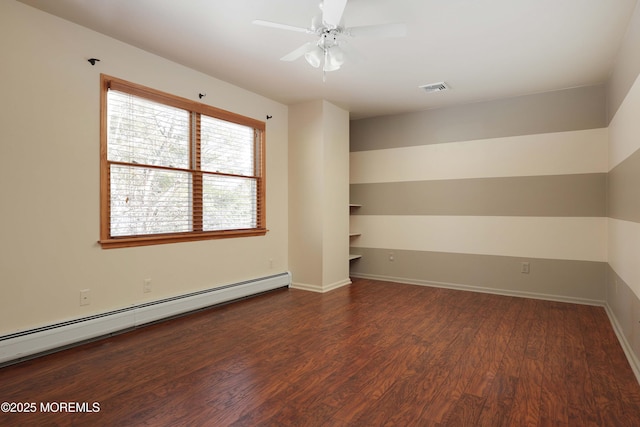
point(435, 87)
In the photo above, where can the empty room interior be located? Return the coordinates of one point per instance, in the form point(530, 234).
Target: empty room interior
point(377, 212)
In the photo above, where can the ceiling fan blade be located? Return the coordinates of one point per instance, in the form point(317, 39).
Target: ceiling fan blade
point(293, 55)
point(279, 26)
point(378, 31)
point(332, 11)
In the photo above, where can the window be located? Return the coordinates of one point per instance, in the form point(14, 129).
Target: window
point(176, 170)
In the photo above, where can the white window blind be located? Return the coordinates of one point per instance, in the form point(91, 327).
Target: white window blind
point(228, 158)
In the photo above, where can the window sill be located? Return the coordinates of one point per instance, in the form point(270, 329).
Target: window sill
point(128, 242)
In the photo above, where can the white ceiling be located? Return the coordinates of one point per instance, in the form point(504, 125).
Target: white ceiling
point(484, 49)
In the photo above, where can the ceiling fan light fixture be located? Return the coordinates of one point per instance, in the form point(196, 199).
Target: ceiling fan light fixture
point(330, 67)
point(314, 56)
point(334, 58)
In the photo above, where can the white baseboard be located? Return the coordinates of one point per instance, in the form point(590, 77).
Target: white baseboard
point(337, 285)
point(626, 347)
point(306, 287)
point(321, 289)
point(19, 345)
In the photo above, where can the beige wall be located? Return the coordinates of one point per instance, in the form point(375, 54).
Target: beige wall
point(319, 196)
point(306, 193)
point(336, 203)
point(49, 178)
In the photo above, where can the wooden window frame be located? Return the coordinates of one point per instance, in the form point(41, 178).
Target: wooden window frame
point(196, 109)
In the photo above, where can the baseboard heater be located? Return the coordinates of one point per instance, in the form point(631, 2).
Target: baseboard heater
point(25, 344)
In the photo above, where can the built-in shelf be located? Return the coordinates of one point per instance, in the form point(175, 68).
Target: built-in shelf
point(353, 256)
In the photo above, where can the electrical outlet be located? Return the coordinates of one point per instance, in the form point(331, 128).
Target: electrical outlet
point(392, 257)
point(524, 269)
point(85, 297)
point(146, 286)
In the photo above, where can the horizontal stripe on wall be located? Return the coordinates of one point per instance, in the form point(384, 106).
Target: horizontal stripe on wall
point(562, 279)
point(538, 237)
point(562, 153)
point(624, 129)
point(581, 195)
point(548, 112)
point(623, 191)
point(624, 251)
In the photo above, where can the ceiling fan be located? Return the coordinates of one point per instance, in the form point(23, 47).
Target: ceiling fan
point(328, 50)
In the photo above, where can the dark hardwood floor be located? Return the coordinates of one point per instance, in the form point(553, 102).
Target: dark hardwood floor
point(369, 354)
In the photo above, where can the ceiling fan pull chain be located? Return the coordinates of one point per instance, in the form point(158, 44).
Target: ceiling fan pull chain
point(324, 64)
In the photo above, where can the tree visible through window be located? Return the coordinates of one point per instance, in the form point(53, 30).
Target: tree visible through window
point(175, 170)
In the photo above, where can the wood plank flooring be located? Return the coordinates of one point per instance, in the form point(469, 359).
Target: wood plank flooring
point(370, 354)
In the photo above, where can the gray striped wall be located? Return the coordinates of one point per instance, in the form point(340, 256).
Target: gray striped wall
point(623, 192)
point(624, 204)
point(565, 195)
